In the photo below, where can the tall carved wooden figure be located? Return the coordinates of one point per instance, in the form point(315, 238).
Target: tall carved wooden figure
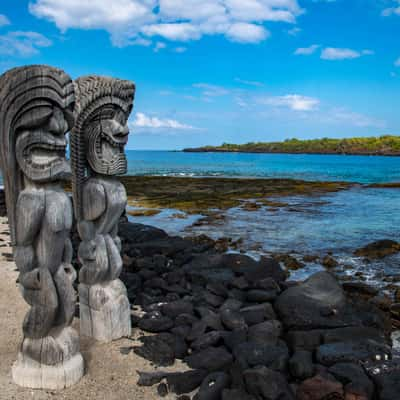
point(98, 138)
point(36, 104)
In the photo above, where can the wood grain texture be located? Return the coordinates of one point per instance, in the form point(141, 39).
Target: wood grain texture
point(98, 138)
point(35, 113)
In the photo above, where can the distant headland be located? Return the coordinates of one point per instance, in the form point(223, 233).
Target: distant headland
point(388, 145)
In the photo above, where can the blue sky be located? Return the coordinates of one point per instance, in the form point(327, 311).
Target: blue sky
point(213, 71)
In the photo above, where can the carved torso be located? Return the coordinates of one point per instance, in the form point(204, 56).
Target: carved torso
point(55, 229)
point(104, 202)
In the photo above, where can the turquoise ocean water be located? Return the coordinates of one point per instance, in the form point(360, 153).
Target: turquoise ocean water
point(337, 223)
point(363, 169)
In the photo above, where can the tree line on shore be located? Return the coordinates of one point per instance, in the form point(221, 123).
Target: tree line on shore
point(382, 145)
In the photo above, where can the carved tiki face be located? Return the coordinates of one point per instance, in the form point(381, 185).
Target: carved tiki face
point(41, 144)
point(107, 135)
point(100, 133)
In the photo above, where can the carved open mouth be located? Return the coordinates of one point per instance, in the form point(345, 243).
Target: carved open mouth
point(110, 149)
point(44, 155)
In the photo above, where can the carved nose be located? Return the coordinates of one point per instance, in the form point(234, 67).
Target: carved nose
point(58, 126)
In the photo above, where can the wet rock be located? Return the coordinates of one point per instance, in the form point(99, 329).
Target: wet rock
point(211, 359)
point(316, 303)
point(265, 268)
point(289, 261)
point(378, 249)
point(320, 388)
point(138, 233)
point(212, 386)
point(386, 376)
point(383, 302)
point(266, 332)
point(258, 313)
point(252, 354)
point(309, 258)
point(266, 384)
point(185, 382)
point(176, 308)
point(267, 284)
point(357, 385)
point(301, 365)
point(353, 352)
point(329, 262)
point(360, 288)
point(232, 320)
point(155, 322)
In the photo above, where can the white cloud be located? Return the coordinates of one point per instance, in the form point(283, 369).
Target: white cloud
point(249, 83)
point(294, 102)
point(23, 44)
point(180, 49)
point(306, 51)
point(4, 20)
point(159, 46)
point(333, 53)
point(243, 32)
point(387, 12)
point(209, 90)
point(173, 31)
point(142, 120)
point(294, 31)
point(340, 115)
point(397, 62)
point(176, 20)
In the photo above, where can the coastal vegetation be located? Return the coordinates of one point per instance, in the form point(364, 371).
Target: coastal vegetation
point(383, 145)
point(200, 195)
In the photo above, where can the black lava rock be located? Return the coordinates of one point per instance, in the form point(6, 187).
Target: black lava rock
point(155, 322)
point(212, 386)
point(185, 382)
point(266, 384)
point(211, 359)
point(301, 365)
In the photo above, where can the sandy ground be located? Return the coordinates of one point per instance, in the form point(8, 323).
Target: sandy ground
point(109, 374)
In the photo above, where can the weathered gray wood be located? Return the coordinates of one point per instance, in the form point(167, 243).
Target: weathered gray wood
point(35, 113)
point(98, 138)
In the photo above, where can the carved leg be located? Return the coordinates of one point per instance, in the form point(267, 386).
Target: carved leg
point(53, 361)
point(104, 311)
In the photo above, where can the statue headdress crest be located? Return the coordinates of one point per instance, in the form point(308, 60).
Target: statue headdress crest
point(27, 98)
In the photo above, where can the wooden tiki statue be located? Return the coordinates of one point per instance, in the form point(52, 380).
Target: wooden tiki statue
point(36, 111)
point(98, 139)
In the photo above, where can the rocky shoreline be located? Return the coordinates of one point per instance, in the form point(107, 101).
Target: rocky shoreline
point(245, 331)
